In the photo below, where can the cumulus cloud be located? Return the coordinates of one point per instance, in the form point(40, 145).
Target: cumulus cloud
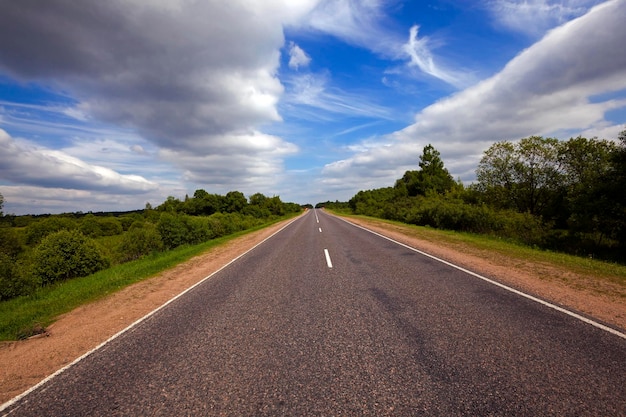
point(553, 86)
point(37, 166)
point(246, 162)
point(297, 57)
point(187, 76)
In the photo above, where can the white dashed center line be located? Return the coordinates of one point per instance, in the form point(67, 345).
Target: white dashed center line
point(328, 261)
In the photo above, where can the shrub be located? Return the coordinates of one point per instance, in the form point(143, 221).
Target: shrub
point(36, 231)
point(172, 229)
point(67, 254)
point(11, 284)
point(9, 242)
point(139, 241)
point(198, 230)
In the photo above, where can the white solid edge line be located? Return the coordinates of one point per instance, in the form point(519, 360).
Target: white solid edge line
point(506, 287)
point(328, 261)
point(147, 316)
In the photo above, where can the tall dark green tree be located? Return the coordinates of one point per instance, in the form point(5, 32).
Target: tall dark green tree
point(432, 177)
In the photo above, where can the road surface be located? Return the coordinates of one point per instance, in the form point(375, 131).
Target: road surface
point(327, 319)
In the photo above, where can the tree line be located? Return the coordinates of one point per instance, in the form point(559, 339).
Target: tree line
point(564, 196)
point(36, 251)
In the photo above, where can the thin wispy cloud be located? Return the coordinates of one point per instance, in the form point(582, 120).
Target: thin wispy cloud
point(534, 17)
point(313, 91)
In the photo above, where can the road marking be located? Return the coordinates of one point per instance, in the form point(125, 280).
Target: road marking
point(498, 284)
point(328, 261)
point(316, 218)
point(320, 229)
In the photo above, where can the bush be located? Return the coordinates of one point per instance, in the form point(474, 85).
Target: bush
point(67, 254)
point(11, 283)
point(173, 230)
point(139, 241)
point(110, 226)
point(38, 230)
point(198, 230)
point(9, 242)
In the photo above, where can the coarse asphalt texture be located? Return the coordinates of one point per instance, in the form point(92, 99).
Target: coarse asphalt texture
point(384, 331)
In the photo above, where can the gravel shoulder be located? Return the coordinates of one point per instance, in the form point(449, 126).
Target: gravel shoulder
point(25, 363)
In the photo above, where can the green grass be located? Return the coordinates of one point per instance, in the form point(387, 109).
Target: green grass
point(28, 315)
point(601, 270)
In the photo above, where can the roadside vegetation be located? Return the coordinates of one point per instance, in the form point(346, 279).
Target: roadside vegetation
point(560, 196)
point(50, 264)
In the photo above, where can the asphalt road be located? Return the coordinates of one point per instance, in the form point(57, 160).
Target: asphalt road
point(384, 331)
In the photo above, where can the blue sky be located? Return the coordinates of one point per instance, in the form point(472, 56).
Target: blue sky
point(109, 105)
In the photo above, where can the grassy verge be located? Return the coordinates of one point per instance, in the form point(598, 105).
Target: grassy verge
point(483, 245)
point(25, 316)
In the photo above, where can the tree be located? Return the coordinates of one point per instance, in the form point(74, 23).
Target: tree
point(171, 204)
point(613, 184)
point(524, 176)
point(1, 204)
point(431, 177)
point(234, 201)
point(587, 167)
point(258, 199)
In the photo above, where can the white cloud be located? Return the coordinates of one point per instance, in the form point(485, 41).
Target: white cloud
point(34, 165)
point(553, 86)
point(313, 91)
point(364, 24)
point(247, 162)
point(26, 199)
point(534, 17)
point(297, 57)
point(420, 56)
point(188, 76)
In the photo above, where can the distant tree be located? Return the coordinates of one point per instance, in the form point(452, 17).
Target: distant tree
point(171, 205)
point(258, 199)
point(1, 205)
point(203, 203)
point(432, 177)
